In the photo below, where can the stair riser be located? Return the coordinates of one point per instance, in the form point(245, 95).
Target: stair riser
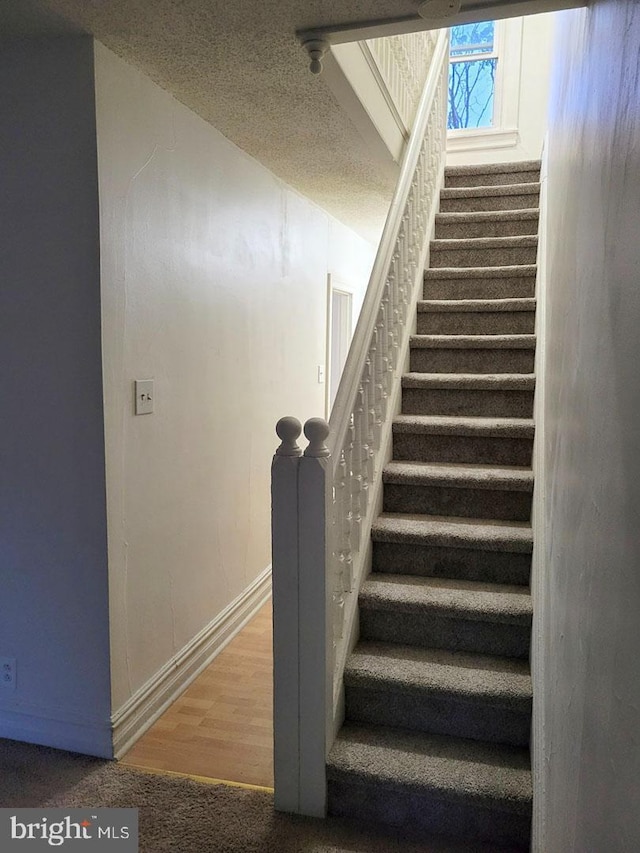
point(429, 630)
point(438, 561)
point(496, 179)
point(472, 360)
point(460, 503)
point(476, 323)
point(421, 711)
point(478, 203)
point(479, 288)
point(470, 403)
point(490, 257)
point(420, 447)
point(426, 813)
point(501, 228)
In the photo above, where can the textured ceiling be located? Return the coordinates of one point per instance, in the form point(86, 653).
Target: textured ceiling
point(238, 64)
point(240, 67)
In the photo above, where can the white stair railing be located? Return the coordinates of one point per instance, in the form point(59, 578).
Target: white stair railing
point(403, 63)
point(324, 502)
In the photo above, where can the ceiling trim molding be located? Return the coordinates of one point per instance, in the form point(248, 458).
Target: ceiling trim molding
point(469, 13)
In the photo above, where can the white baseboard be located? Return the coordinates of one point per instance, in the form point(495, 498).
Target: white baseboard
point(139, 712)
point(59, 729)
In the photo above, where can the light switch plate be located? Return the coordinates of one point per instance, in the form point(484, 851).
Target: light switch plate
point(320, 374)
point(144, 396)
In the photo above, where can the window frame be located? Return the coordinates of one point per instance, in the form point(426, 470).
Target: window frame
point(503, 132)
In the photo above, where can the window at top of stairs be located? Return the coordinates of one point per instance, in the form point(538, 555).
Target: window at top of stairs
point(473, 59)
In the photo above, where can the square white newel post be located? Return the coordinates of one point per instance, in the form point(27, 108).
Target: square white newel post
point(300, 500)
point(314, 496)
point(284, 562)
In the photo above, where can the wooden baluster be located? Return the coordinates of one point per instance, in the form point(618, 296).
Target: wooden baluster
point(355, 428)
point(387, 363)
point(402, 243)
point(392, 280)
point(380, 369)
point(341, 511)
point(369, 390)
point(392, 320)
point(376, 396)
point(411, 234)
point(402, 285)
point(362, 447)
point(347, 526)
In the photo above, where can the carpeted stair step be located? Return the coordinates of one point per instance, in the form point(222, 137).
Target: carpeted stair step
point(501, 197)
point(437, 438)
point(472, 353)
point(444, 785)
point(483, 252)
point(432, 690)
point(476, 317)
point(479, 395)
point(446, 613)
point(464, 549)
point(462, 491)
point(526, 171)
point(511, 282)
point(491, 223)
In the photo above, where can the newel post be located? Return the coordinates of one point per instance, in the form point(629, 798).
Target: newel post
point(314, 477)
point(300, 495)
point(284, 562)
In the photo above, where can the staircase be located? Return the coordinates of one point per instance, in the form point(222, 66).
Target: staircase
point(438, 690)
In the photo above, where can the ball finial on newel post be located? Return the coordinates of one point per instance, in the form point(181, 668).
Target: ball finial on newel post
point(317, 430)
point(288, 430)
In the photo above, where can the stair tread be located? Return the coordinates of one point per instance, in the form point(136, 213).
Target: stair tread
point(504, 271)
point(523, 214)
point(482, 534)
point(472, 306)
point(484, 190)
point(487, 341)
point(494, 168)
point(447, 244)
point(460, 675)
point(479, 381)
point(456, 425)
point(452, 598)
point(493, 775)
point(455, 475)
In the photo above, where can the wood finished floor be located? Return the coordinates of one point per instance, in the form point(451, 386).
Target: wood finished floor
point(222, 725)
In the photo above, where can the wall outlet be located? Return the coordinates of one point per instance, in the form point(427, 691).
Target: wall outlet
point(8, 673)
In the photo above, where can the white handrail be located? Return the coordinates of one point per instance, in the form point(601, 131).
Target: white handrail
point(359, 428)
point(351, 375)
point(324, 502)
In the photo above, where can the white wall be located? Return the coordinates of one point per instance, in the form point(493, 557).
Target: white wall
point(53, 558)
point(526, 58)
point(591, 597)
point(214, 278)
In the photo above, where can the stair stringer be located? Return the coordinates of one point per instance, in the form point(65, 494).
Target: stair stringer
point(538, 564)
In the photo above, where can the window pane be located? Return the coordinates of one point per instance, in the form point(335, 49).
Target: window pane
point(472, 39)
point(471, 90)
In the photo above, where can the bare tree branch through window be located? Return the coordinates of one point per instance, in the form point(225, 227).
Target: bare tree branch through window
point(472, 73)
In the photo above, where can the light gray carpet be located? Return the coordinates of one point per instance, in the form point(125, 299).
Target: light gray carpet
point(183, 816)
point(430, 739)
